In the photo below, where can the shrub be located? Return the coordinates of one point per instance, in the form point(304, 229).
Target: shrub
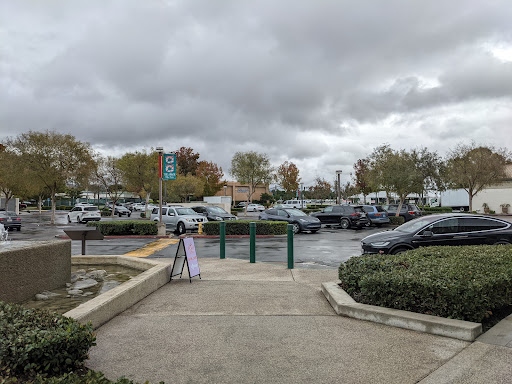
point(396, 220)
point(38, 341)
point(241, 227)
point(237, 209)
point(466, 283)
point(125, 227)
point(437, 210)
point(309, 210)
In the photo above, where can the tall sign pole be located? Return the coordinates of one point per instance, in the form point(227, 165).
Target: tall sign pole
point(338, 197)
point(160, 152)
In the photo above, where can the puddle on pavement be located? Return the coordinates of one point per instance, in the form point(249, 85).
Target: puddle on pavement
point(63, 302)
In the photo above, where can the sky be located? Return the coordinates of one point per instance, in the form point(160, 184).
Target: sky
point(317, 83)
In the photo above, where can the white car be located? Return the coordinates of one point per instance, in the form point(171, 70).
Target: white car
point(179, 219)
point(255, 208)
point(84, 213)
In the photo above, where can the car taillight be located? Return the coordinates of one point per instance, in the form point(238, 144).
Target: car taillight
point(412, 212)
point(18, 219)
point(377, 214)
point(354, 214)
point(1, 219)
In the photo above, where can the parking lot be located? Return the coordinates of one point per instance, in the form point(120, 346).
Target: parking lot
point(324, 249)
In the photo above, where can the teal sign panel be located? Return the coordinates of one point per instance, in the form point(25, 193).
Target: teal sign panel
point(169, 166)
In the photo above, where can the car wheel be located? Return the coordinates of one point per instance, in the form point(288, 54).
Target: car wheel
point(502, 242)
point(344, 224)
point(399, 250)
point(18, 229)
point(69, 220)
point(315, 231)
point(129, 214)
point(181, 228)
point(78, 220)
point(296, 228)
point(368, 224)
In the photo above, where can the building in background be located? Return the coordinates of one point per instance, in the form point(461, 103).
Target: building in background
point(238, 192)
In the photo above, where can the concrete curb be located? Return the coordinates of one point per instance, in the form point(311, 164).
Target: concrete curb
point(345, 305)
point(111, 303)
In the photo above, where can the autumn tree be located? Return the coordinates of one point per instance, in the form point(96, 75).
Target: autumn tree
point(13, 177)
point(287, 175)
point(187, 161)
point(321, 189)
point(55, 159)
point(252, 168)
point(473, 168)
point(185, 186)
point(211, 175)
point(362, 175)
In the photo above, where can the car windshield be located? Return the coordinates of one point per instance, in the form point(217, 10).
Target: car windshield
point(185, 211)
point(217, 210)
point(90, 208)
point(416, 224)
point(295, 212)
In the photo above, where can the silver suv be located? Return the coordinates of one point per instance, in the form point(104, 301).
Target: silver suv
point(179, 219)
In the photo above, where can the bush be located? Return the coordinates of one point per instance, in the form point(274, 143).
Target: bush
point(429, 210)
point(63, 207)
point(396, 220)
point(241, 227)
point(38, 341)
point(466, 283)
point(237, 209)
point(125, 227)
point(309, 210)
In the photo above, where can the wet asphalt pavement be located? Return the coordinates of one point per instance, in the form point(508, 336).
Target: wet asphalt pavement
point(324, 249)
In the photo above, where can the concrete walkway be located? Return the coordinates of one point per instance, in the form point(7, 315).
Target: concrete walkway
point(263, 323)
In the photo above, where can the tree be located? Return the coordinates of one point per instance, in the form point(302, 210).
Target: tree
point(211, 175)
point(429, 169)
point(55, 159)
point(473, 168)
point(185, 186)
point(321, 190)
point(348, 189)
point(13, 178)
point(187, 160)
point(109, 175)
point(140, 172)
point(362, 177)
point(287, 175)
point(251, 168)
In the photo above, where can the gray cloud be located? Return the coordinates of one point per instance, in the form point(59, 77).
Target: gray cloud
point(317, 83)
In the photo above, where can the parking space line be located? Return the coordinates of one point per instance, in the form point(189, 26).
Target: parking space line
point(151, 248)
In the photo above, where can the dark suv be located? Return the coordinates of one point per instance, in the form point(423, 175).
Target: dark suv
point(345, 216)
point(408, 211)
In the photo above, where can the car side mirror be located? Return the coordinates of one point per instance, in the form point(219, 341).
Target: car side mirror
point(427, 234)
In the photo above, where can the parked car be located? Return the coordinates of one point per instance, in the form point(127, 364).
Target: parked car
point(121, 211)
point(83, 213)
point(255, 207)
point(440, 229)
point(10, 220)
point(214, 213)
point(241, 204)
point(376, 214)
point(140, 207)
point(408, 211)
point(179, 219)
point(301, 222)
point(296, 203)
point(346, 216)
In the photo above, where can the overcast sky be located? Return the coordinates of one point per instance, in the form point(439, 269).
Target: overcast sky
point(318, 83)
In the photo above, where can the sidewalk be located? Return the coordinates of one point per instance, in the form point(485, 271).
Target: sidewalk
point(263, 323)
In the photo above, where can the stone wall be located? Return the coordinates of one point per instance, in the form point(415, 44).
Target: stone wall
point(30, 267)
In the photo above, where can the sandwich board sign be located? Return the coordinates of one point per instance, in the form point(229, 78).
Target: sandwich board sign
point(186, 253)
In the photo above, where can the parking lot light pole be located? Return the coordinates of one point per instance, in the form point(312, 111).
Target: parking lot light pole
point(338, 187)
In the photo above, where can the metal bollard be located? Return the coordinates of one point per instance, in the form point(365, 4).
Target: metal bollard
point(252, 232)
point(222, 239)
point(289, 230)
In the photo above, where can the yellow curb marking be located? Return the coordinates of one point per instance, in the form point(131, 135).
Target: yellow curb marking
point(153, 247)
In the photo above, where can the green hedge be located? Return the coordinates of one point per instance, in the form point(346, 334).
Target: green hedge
point(125, 227)
point(38, 341)
point(309, 210)
point(241, 227)
point(396, 220)
point(64, 207)
point(237, 210)
point(466, 283)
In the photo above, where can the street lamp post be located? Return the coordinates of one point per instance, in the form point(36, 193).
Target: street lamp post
point(338, 186)
point(160, 151)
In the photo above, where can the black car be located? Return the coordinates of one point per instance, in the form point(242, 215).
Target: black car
point(10, 220)
point(214, 213)
point(301, 222)
point(442, 229)
point(345, 216)
point(408, 211)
